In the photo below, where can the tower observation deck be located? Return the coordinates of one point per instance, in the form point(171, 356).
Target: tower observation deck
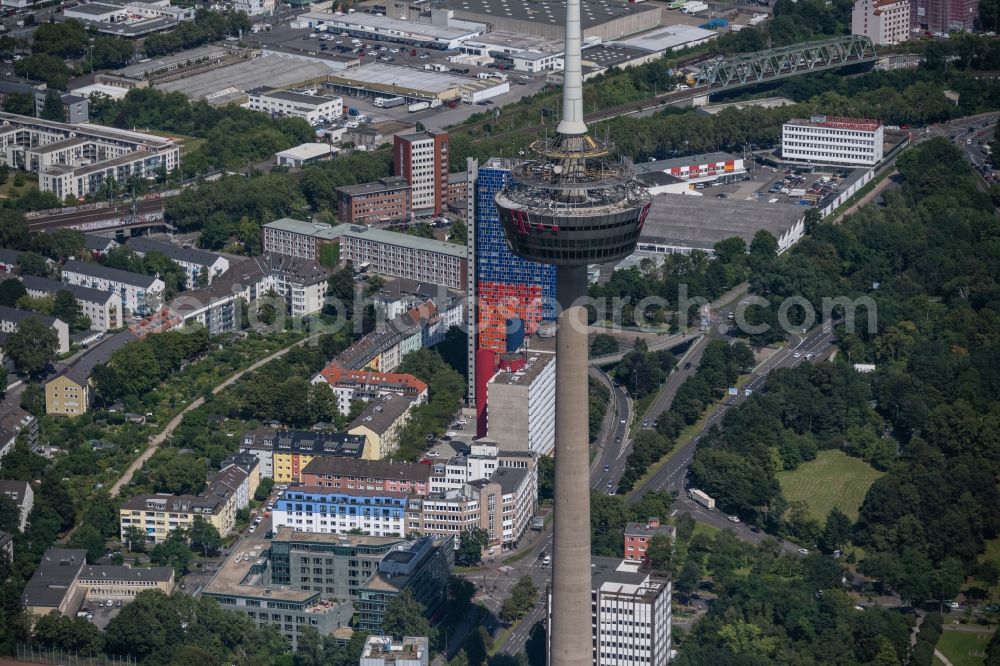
point(573, 204)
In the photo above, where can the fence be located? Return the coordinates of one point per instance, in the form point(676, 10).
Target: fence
point(35, 654)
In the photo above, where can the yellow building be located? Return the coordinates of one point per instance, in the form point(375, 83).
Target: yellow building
point(381, 424)
point(284, 454)
point(158, 515)
point(67, 395)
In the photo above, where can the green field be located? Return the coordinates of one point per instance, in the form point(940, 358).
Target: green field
point(964, 648)
point(834, 479)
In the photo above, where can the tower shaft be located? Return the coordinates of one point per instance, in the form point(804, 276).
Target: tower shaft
point(572, 115)
point(571, 577)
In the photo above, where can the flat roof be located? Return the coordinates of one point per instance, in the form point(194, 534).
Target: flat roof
point(405, 78)
point(292, 96)
point(141, 69)
point(701, 222)
point(271, 70)
point(94, 9)
point(237, 575)
point(387, 25)
point(689, 160)
point(517, 40)
point(308, 151)
point(407, 240)
point(668, 37)
point(838, 122)
point(55, 574)
point(592, 12)
point(381, 185)
point(764, 103)
point(318, 230)
point(535, 364)
point(609, 55)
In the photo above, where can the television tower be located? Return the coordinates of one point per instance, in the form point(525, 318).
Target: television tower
point(571, 206)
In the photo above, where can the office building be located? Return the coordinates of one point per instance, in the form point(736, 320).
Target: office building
point(200, 267)
point(885, 22)
point(421, 159)
point(327, 511)
point(387, 651)
point(940, 17)
point(74, 159)
point(382, 423)
point(422, 567)
point(245, 583)
point(833, 140)
point(313, 108)
point(21, 494)
point(521, 399)
point(283, 454)
point(158, 515)
point(366, 385)
point(638, 536)
point(12, 318)
point(303, 240)
point(344, 474)
point(140, 294)
point(102, 308)
point(503, 290)
point(630, 614)
point(385, 200)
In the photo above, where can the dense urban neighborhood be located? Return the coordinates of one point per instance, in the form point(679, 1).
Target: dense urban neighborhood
point(347, 333)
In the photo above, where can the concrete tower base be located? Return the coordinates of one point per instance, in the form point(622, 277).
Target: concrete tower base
point(570, 634)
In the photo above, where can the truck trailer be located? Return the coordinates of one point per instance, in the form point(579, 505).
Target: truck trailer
point(388, 102)
point(703, 499)
point(418, 106)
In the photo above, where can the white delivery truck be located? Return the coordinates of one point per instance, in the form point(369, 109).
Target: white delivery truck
point(703, 499)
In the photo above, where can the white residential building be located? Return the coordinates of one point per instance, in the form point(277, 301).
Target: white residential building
point(833, 140)
point(300, 282)
point(102, 308)
point(327, 511)
point(21, 494)
point(295, 104)
point(631, 616)
point(366, 385)
point(140, 294)
point(200, 267)
point(520, 412)
point(885, 22)
point(254, 7)
point(11, 318)
point(422, 159)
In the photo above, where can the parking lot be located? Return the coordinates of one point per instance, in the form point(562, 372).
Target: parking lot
point(787, 186)
point(101, 611)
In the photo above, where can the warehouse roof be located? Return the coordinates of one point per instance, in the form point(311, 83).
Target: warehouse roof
point(272, 70)
point(592, 12)
point(701, 222)
point(688, 160)
point(668, 37)
point(388, 25)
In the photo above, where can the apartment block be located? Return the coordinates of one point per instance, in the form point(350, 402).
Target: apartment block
point(399, 255)
point(75, 159)
point(323, 510)
point(335, 473)
point(521, 398)
point(422, 159)
point(402, 295)
point(366, 385)
point(68, 392)
point(140, 294)
point(295, 104)
point(284, 454)
point(638, 537)
point(940, 17)
point(102, 308)
point(21, 494)
point(385, 200)
point(384, 348)
point(14, 424)
point(301, 283)
point(200, 267)
point(303, 240)
point(885, 22)
point(630, 614)
point(12, 318)
point(160, 514)
point(833, 140)
point(382, 423)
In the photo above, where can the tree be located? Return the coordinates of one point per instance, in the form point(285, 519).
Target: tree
point(31, 347)
point(885, 654)
point(988, 573)
point(135, 539)
point(180, 475)
point(32, 263)
point(10, 516)
point(459, 233)
point(90, 539)
point(173, 551)
point(11, 290)
point(660, 553)
point(68, 634)
point(404, 616)
point(523, 597)
point(471, 544)
point(53, 107)
point(836, 532)
point(33, 399)
point(603, 345)
point(205, 535)
point(66, 308)
point(22, 104)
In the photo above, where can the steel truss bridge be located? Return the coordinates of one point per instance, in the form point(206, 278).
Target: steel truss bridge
point(761, 66)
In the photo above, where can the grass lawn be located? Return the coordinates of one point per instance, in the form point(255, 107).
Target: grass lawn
point(964, 648)
point(834, 479)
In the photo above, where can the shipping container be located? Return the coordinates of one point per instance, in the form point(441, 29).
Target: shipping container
point(418, 106)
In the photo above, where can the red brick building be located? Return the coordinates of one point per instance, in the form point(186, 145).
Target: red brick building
point(385, 200)
point(639, 535)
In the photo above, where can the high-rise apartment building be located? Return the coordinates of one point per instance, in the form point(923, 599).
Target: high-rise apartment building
point(630, 614)
point(422, 159)
point(882, 21)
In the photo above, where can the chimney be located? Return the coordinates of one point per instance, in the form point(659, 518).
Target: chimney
point(653, 523)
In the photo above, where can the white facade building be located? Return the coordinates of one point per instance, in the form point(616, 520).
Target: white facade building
point(254, 7)
point(301, 283)
point(366, 385)
point(327, 511)
point(631, 616)
point(882, 21)
point(387, 651)
point(200, 267)
point(102, 308)
point(833, 140)
point(11, 318)
point(295, 104)
point(140, 294)
point(521, 405)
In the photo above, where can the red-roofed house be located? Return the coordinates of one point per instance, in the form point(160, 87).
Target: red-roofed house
point(366, 385)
